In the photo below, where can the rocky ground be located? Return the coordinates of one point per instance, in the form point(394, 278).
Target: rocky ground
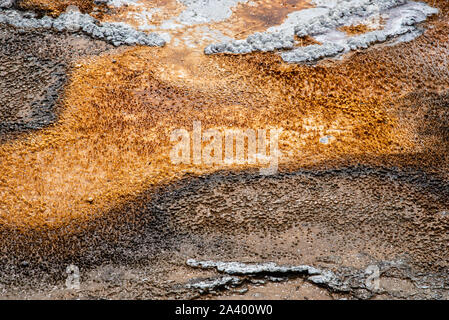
point(89, 207)
point(34, 69)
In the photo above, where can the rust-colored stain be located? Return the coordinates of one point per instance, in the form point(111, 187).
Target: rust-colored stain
point(353, 30)
point(305, 41)
point(161, 10)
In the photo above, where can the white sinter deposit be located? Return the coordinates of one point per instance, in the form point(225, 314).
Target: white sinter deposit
point(7, 3)
point(118, 3)
point(204, 11)
point(74, 21)
point(400, 21)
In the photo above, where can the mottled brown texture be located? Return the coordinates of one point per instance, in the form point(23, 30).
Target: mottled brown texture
point(55, 7)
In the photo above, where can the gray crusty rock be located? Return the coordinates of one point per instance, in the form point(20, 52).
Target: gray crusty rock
point(317, 276)
point(342, 12)
point(214, 284)
point(347, 280)
point(238, 268)
point(313, 53)
point(256, 42)
point(75, 21)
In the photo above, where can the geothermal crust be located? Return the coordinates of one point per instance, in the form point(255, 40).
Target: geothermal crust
point(7, 3)
point(74, 21)
point(402, 19)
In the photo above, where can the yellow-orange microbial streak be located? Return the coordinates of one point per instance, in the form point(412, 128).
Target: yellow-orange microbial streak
point(113, 137)
point(356, 29)
point(55, 7)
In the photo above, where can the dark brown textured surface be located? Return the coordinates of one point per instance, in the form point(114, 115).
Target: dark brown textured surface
point(351, 218)
point(33, 71)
